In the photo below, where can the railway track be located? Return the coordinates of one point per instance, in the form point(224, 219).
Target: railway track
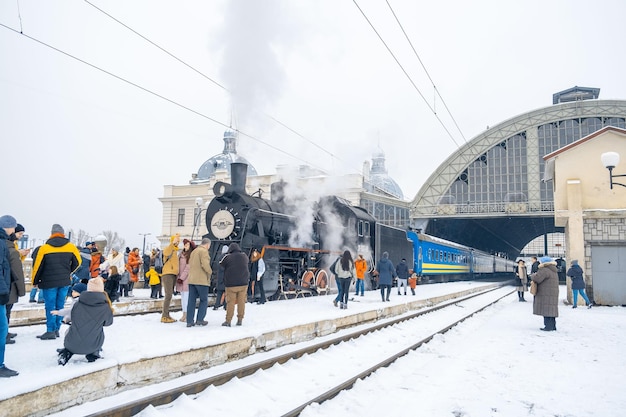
point(391, 339)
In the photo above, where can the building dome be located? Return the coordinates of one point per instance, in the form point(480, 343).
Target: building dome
point(223, 160)
point(379, 181)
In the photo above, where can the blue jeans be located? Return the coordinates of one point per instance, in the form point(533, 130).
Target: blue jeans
point(55, 300)
point(582, 293)
point(33, 293)
point(360, 284)
point(4, 330)
point(345, 287)
point(201, 292)
point(338, 297)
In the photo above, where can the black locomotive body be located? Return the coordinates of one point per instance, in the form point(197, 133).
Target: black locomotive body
point(297, 246)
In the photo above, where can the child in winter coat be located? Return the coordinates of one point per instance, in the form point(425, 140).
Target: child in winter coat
point(66, 312)
point(90, 314)
point(412, 281)
point(155, 282)
point(112, 283)
point(125, 284)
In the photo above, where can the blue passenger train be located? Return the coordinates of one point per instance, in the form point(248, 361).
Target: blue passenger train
point(440, 260)
point(298, 242)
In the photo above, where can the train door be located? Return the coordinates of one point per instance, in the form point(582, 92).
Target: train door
point(419, 260)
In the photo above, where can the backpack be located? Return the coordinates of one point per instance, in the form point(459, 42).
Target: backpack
point(333, 267)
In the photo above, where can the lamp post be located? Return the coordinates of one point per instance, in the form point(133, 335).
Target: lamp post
point(143, 249)
point(197, 217)
point(610, 161)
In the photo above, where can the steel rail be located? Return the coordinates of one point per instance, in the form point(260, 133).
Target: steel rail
point(165, 397)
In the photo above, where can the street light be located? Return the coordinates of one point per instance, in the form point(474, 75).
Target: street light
point(143, 249)
point(197, 217)
point(610, 161)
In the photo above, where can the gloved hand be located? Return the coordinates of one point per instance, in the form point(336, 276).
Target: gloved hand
point(4, 299)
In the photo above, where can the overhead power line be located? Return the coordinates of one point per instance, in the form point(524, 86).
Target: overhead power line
point(153, 93)
point(405, 73)
point(211, 79)
point(425, 70)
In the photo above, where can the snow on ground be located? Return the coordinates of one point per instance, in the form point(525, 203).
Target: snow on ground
point(498, 364)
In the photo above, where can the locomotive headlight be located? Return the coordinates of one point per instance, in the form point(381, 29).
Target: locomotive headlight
point(222, 224)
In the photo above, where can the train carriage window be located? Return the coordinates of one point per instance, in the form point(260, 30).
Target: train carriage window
point(360, 231)
point(366, 232)
point(430, 255)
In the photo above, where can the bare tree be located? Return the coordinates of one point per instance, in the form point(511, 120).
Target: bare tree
point(114, 240)
point(79, 238)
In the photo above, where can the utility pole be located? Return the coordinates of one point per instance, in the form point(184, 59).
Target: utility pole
point(143, 249)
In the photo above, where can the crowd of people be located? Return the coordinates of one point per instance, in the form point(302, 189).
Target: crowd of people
point(94, 282)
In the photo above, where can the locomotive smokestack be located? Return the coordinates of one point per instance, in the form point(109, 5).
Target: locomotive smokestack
point(238, 173)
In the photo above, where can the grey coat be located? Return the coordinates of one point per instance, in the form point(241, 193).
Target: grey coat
point(546, 302)
point(90, 313)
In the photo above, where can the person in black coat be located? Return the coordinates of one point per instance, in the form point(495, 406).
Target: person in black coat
point(402, 272)
point(90, 314)
point(219, 288)
point(578, 283)
point(236, 276)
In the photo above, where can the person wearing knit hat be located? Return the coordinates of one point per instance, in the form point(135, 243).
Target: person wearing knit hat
point(66, 312)
point(17, 287)
point(79, 288)
point(16, 236)
point(546, 301)
point(8, 222)
point(54, 262)
point(578, 284)
point(7, 227)
point(57, 228)
point(90, 314)
point(95, 284)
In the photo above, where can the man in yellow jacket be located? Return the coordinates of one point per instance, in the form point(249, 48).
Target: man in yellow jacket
point(53, 264)
point(168, 279)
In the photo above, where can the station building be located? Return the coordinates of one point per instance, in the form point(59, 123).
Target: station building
point(491, 194)
point(590, 204)
point(184, 206)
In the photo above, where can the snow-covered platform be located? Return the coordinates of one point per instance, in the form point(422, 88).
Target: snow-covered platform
point(140, 350)
point(25, 313)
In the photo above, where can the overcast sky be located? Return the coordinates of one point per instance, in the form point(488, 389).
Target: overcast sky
point(90, 151)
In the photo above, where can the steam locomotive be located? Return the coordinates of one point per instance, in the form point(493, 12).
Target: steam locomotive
point(299, 239)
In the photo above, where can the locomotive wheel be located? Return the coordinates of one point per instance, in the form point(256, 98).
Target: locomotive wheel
point(321, 280)
point(307, 279)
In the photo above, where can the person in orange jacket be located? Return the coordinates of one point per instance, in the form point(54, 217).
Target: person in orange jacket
point(412, 281)
point(360, 266)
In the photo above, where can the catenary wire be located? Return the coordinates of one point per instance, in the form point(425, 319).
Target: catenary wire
point(425, 70)
point(210, 79)
point(406, 74)
point(155, 94)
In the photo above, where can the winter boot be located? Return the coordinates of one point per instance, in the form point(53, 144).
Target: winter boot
point(92, 357)
point(64, 356)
